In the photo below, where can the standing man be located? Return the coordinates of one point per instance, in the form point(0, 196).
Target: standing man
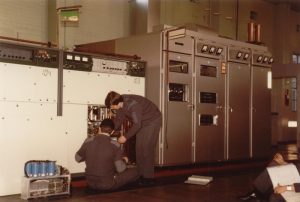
point(105, 166)
point(146, 122)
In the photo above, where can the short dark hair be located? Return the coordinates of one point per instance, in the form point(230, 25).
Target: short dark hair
point(113, 98)
point(107, 125)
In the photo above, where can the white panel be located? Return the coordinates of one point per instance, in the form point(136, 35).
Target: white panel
point(83, 88)
point(92, 87)
point(27, 83)
point(75, 119)
point(29, 131)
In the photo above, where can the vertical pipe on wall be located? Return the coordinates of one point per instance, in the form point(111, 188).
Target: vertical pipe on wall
point(194, 101)
point(252, 109)
point(237, 20)
point(257, 33)
point(298, 112)
point(60, 84)
point(162, 99)
point(226, 142)
point(209, 13)
point(251, 30)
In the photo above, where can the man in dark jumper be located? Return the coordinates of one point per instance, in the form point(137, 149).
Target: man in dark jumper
point(105, 167)
point(146, 121)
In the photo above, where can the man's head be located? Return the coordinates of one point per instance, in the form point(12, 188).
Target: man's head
point(113, 100)
point(107, 126)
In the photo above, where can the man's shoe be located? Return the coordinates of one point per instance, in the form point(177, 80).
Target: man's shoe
point(248, 196)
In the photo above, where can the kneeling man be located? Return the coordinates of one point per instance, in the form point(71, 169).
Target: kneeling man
point(105, 167)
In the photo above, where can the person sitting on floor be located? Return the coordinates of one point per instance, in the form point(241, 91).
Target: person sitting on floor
point(105, 167)
point(263, 188)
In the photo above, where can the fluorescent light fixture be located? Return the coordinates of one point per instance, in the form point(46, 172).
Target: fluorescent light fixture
point(142, 1)
point(292, 124)
point(269, 80)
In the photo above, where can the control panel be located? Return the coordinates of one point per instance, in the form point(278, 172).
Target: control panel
point(47, 57)
point(96, 113)
point(178, 66)
point(136, 68)
point(209, 50)
point(28, 55)
point(241, 55)
point(77, 61)
point(262, 59)
point(177, 92)
point(109, 66)
point(113, 66)
point(208, 120)
point(208, 97)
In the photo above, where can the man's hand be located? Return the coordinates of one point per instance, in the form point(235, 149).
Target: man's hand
point(115, 133)
point(125, 158)
point(281, 189)
point(122, 139)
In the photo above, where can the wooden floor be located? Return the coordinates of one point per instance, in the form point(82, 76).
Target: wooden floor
point(230, 181)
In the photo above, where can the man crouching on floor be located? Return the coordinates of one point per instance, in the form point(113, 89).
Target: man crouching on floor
point(105, 167)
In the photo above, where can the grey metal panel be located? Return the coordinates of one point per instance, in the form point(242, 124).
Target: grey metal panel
point(148, 47)
point(239, 55)
point(238, 111)
point(181, 45)
point(210, 138)
point(209, 49)
point(261, 113)
point(177, 138)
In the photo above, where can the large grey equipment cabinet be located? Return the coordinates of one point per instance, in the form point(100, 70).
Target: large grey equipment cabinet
point(238, 95)
point(210, 101)
point(178, 110)
point(261, 105)
point(178, 102)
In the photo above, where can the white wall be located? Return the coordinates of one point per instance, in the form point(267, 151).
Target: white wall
point(98, 21)
point(24, 19)
point(178, 12)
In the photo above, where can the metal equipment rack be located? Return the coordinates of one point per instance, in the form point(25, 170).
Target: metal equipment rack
point(36, 187)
